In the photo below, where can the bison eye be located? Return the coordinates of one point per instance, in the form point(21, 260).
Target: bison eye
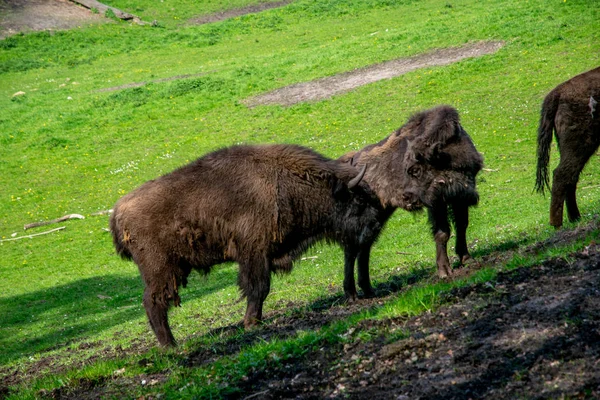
point(415, 171)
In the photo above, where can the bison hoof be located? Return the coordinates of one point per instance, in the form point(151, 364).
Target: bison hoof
point(469, 261)
point(351, 298)
point(368, 294)
point(251, 323)
point(444, 272)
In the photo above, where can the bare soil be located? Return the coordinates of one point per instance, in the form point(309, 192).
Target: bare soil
point(533, 333)
point(324, 88)
point(36, 15)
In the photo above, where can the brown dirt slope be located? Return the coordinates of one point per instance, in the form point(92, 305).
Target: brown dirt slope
point(534, 333)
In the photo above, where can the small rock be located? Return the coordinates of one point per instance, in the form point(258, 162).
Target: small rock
point(19, 93)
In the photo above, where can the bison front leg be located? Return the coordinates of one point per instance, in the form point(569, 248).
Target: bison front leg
point(461, 223)
point(255, 282)
point(349, 283)
point(364, 278)
point(438, 217)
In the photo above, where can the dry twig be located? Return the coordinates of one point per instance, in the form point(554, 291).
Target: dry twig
point(35, 234)
point(54, 221)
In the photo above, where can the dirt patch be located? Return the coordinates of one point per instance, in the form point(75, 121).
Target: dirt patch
point(327, 87)
point(533, 333)
point(236, 12)
point(38, 15)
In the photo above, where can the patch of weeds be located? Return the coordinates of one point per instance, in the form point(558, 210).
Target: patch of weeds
point(21, 65)
point(518, 261)
point(109, 13)
point(54, 142)
point(198, 85)
point(9, 42)
point(135, 96)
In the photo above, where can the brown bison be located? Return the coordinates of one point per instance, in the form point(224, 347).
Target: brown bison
point(569, 111)
point(261, 206)
point(429, 162)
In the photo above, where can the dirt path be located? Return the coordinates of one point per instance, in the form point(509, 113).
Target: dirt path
point(327, 87)
point(37, 15)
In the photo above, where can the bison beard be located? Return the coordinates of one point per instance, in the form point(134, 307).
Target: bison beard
point(261, 206)
point(569, 111)
point(428, 162)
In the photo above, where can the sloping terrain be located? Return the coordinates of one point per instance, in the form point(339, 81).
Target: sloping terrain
point(533, 333)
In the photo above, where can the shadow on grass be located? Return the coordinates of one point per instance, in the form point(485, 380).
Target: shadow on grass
point(296, 318)
point(52, 318)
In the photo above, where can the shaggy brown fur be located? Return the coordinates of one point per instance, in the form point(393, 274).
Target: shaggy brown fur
point(569, 111)
point(261, 206)
point(428, 162)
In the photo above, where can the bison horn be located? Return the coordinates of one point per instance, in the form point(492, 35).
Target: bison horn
point(356, 180)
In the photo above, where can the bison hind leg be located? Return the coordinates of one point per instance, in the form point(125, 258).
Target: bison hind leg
point(571, 202)
point(254, 281)
point(157, 315)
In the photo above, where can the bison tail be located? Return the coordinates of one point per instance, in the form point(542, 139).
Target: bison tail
point(120, 236)
point(544, 140)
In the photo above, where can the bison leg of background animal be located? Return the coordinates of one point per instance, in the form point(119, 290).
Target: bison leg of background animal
point(564, 187)
point(156, 310)
point(255, 282)
point(364, 278)
point(349, 283)
point(438, 216)
point(461, 223)
point(571, 202)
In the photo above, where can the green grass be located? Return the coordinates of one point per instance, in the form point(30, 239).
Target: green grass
point(68, 147)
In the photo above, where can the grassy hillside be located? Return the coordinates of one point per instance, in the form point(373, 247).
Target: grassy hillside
point(74, 144)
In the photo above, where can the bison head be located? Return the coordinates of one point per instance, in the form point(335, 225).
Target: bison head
point(440, 172)
point(430, 158)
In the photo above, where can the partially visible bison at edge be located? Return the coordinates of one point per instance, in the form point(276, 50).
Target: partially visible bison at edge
point(260, 206)
point(428, 162)
point(570, 111)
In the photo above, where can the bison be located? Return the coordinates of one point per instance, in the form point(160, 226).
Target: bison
point(429, 162)
point(569, 111)
point(261, 206)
